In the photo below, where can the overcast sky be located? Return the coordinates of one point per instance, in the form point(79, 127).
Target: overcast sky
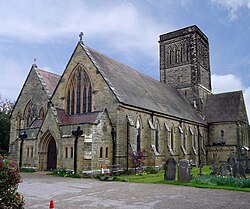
point(127, 31)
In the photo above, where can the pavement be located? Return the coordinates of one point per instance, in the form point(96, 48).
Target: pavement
point(38, 189)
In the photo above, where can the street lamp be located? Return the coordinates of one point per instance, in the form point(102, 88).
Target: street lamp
point(76, 133)
point(22, 137)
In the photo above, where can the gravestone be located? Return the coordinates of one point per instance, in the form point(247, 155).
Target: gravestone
point(170, 170)
point(184, 171)
point(225, 170)
point(215, 168)
point(247, 165)
point(238, 170)
point(231, 160)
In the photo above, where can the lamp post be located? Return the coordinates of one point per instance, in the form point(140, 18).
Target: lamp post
point(76, 133)
point(22, 137)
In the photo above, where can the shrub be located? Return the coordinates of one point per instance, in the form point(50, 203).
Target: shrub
point(9, 180)
point(150, 170)
point(137, 159)
point(27, 170)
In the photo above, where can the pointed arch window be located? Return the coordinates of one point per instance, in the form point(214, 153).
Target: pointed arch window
point(68, 102)
point(30, 113)
point(90, 99)
point(73, 102)
point(41, 113)
point(79, 92)
point(79, 88)
point(172, 138)
point(138, 134)
point(157, 137)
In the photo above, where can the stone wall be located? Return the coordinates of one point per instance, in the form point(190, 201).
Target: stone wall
point(169, 128)
point(31, 91)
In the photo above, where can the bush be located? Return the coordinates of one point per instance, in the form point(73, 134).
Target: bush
point(9, 180)
point(150, 170)
point(27, 170)
point(222, 181)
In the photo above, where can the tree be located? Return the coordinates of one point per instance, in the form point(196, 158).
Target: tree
point(6, 107)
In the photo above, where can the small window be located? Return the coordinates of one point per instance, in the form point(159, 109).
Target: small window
point(66, 152)
point(71, 152)
point(107, 151)
point(31, 153)
point(101, 152)
point(28, 151)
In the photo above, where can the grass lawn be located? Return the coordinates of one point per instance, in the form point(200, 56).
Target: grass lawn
point(159, 179)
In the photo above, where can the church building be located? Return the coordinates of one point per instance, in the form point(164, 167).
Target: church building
point(99, 111)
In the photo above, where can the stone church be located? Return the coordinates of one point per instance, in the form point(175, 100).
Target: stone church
point(117, 111)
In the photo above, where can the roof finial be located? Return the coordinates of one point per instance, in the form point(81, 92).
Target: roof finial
point(34, 64)
point(80, 35)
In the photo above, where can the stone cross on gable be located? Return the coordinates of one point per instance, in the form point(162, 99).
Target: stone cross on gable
point(78, 132)
point(81, 35)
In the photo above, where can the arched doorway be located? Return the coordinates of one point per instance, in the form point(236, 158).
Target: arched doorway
point(48, 152)
point(51, 155)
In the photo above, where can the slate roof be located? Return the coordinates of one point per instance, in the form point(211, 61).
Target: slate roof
point(36, 123)
point(136, 89)
point(223, 107)
point(49, 80)
point(65, 119)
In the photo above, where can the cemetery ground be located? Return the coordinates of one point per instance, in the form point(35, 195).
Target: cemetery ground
point(38, 189)
point(158, 178)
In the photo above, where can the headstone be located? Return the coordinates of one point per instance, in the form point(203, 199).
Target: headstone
point(170, 170)
point(184, 171)
point(231, 160)
point(247, 165)
point(225, 170)
point(215, 168)
point(238, 170)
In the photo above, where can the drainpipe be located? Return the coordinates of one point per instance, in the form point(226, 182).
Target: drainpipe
point(199, 150)
point(113, 134)
point(127, 141)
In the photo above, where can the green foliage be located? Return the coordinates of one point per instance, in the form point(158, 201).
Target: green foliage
point(196, 170)
point(150, 170)
point(222, 181)
point(65, 173)
point(27, 170)
point(9, 180)
point(5, 110)
point(204, 181)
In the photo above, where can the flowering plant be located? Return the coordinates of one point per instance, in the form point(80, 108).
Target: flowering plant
point(9, 180)
point(137, 159)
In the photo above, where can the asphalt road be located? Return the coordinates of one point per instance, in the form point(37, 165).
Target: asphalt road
point(38, 189)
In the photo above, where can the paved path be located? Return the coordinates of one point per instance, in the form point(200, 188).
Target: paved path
point(39, 188)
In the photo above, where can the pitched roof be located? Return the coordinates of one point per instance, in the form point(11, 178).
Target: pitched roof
point(49, 80)
point(223, 107)
point(136, 89)
point(36, 123)
point(65, 119)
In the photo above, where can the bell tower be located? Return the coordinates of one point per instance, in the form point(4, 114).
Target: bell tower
point(185, 65)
